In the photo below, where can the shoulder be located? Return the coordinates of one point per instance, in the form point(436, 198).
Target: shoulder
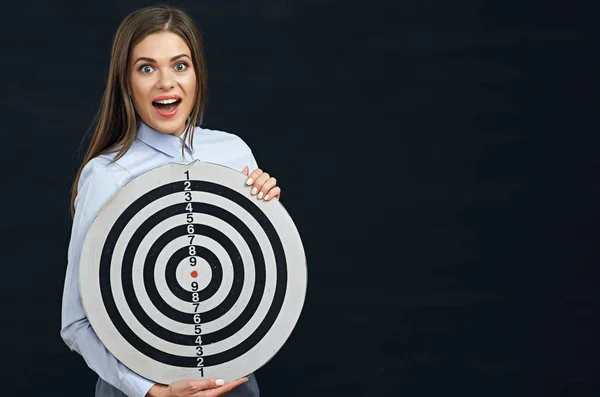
point(224, 148)
point(102, 172)
point(106, 166)
point(138, 152)
point(206, 135)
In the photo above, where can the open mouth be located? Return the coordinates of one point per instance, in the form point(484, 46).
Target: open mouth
point(167, 106)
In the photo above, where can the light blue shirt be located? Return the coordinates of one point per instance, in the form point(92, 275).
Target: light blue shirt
point(99, 181)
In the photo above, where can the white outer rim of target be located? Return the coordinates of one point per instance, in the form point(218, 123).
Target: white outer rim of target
point(255, 357)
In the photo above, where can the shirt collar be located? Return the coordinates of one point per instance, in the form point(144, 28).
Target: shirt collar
point(165, 143)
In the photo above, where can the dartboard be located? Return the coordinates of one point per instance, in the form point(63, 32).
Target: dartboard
point(185, 275)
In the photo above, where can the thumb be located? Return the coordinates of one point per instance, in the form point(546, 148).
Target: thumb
point(246, 171)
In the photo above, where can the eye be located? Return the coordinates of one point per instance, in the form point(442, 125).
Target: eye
point(181, 66)
point(146, 69)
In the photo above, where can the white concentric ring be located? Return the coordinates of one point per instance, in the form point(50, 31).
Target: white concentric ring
point(271, 328)
point(187, 274)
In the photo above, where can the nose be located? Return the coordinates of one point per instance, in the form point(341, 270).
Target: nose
point(165, 81)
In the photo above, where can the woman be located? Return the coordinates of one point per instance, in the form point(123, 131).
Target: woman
point(152, 106)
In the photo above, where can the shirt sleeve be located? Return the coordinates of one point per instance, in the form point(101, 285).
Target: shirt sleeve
point(253, 164)
point(250, 160)
point(96, 186)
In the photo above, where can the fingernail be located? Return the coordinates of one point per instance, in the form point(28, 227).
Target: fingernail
point(260, 195)
point(267, 197)
point(220, 382)
point(254, 190)
point(247, 379)
point(249, 181)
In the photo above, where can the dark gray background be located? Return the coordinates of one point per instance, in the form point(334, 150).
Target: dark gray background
point(440, 160)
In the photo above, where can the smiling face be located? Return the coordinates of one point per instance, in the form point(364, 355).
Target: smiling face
point(162, 82)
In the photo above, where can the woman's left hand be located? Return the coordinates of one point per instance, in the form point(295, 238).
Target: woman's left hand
point(263, 184)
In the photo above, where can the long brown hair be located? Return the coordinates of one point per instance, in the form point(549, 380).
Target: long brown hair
point(116, 126)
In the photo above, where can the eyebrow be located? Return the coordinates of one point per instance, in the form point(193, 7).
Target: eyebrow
point(154, 60)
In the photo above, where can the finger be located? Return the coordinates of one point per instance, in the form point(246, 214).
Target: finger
point(259, 182)
point(275, 192)
point(229, 386)
point(252, 177)
point(246, 170)
point(206, 384)
point(268, 185)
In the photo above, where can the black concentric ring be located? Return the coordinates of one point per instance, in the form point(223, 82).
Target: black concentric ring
point(150, 263)
point(151, 351)
point(210, 315)
point(171, 274)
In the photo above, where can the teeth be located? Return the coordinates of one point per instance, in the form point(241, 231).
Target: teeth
point(167, 101)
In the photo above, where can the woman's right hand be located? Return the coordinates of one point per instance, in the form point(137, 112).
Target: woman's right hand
point(211, 387)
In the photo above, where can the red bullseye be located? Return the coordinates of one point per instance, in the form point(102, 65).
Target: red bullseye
point(194, 274)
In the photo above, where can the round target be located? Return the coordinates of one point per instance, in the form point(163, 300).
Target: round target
point(185, 275)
